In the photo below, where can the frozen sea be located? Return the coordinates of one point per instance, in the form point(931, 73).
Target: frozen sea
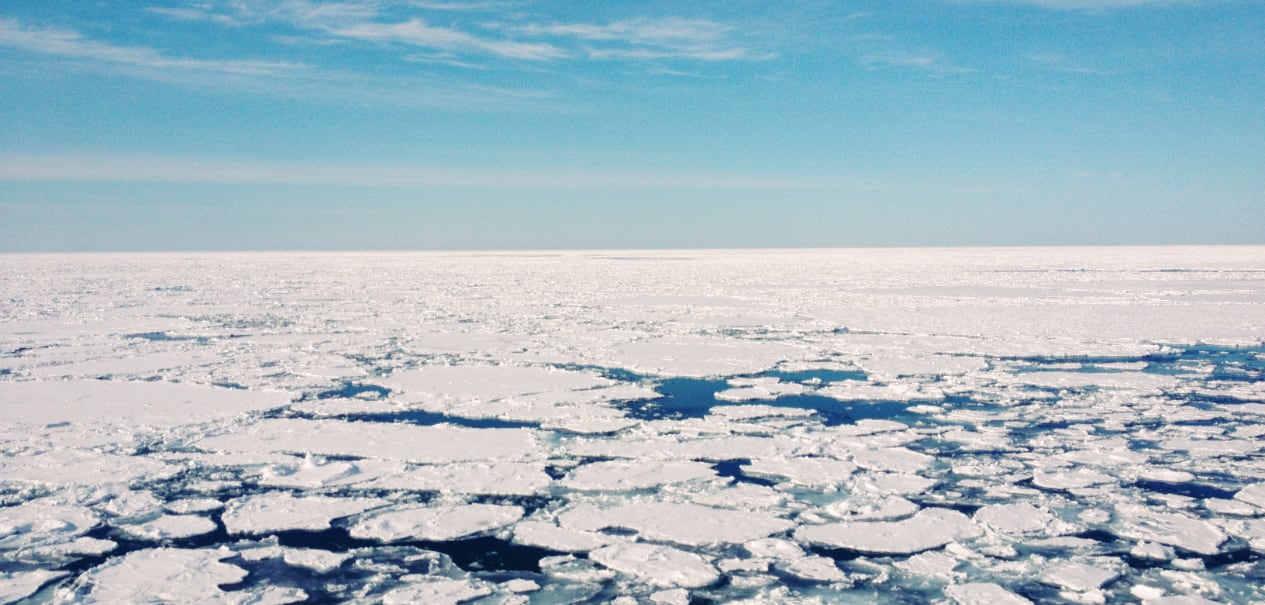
point(969, 426)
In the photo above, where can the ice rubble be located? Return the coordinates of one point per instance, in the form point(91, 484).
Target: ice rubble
point(1079, 405)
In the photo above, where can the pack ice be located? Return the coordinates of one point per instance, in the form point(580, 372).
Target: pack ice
point(1080, 425)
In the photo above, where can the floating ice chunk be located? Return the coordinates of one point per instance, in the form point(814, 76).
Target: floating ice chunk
point(570, 569)
point(760, 389)
point(1166, 475)
point(860, 509)
point(37, 523)
point(1018, 518)
point(83, 467)
point(928, 529)
point(1069, 479)
point(489, 382)
point(622, 475)
point(15, 586)
point(983, 593)
point(894, 459)
point(672, 596)
point(171, 527)
point(814, 568)
point(682, 523)
point(435, 524)
point(859, 391)
point(815, 472)
point(1175, 529)
point(930, 563)
point(700, 357)
point(421, 444)
point(657, 565)
point(273, 512)
point(439, 591)
point(1252, 494)
point(123, 504)
point(313, 472)
point(548, 535)
point(519, 585)
point(163, 575)
point(752, 412)
point(1210, 448)
point(1100, 380)
point(315, 559)
point(1250, 530)
point(891, 483)
point(1080, 577)
point(888, 367)
point(193, 505)
point(1180, 600)
point(490, 478)
point(1152, 551)
point(135, 404)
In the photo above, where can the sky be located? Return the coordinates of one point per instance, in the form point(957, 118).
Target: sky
point(488, 124)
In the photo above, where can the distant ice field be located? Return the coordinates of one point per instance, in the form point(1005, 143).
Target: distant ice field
point(967, 426)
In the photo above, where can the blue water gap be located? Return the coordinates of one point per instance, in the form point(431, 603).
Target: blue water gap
point(694, 398)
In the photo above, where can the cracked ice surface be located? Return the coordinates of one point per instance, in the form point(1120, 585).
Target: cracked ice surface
point(951, 426)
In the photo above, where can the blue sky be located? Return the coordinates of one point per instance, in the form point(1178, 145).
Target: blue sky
point(454, 124)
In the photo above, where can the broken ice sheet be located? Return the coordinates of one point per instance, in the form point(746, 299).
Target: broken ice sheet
point(1039, 397)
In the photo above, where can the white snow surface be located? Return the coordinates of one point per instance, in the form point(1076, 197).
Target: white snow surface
point(929, 528)
point(525, 400)
point(678, 522)
point(434, 524)
point(279, 511)
point(657, 565)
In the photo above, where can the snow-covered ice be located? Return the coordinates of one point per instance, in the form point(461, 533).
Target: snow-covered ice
point(947, 426)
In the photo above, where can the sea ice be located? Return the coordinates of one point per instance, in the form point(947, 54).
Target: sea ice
point(1175, 529)
point(170, 527)
point(279, 511)
point(17, 585)
point(1252, 494)
point(657, 565)
point(681, 523)
point(487, 478)
point(983, 593)
point(420, 444)
point(439, 591)
point(548, 535)
point(163, 575)
point(622, 475)
point(928, 529)
point(435, 524)
point(1079, 577)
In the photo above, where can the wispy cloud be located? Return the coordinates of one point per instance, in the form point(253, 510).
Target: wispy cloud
point(417, 32)
point(71, 44)
point(648, 39)
point(933, 63)
point(113, 168)
point(1062, 64)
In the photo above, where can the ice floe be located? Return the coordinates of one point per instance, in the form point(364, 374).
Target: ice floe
point(929, 528)
point(967, 426)
point(434, 524)
point(657, 565)
point(280, 511)
point(677, 522)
